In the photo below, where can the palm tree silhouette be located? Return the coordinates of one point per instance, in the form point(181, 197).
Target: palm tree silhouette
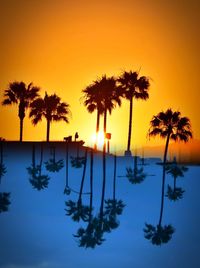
point(175, 193)
point(52, 165)
point(51, 108)
point(93, 101)
point(37, 180)
point(169, 125)
point(22, 95)
point(134, 87)
point(77, 210)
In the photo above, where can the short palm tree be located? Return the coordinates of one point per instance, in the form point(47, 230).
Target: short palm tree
point(22, 95)
point(169, 125)
point(51, 108)
point(134, 87)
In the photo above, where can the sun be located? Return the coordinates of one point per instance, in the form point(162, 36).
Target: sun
point(98, 139)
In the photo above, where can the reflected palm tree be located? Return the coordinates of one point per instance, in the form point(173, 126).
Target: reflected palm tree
point(169, 125)
point(92, 235)
point(113, 206)
point(22, 95)
point(67, 189)
point(134, 87)
point(77, 161)
point(4, 196)
point(52, 165)
point(37, 179)
point(135, 175)
point(175, 193)
point(2, 165)
point(77, 210)
point(51, 108)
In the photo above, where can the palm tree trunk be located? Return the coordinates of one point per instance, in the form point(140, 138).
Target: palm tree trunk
point(67, 164)
point(114, 177)
point(130, 123)
point(48, 129)
point(91, 185)
point(174, 183)
point(41, 158)
point(163, 179)
point(83, 177)
point(21, 129)
point(104, 166)
point(97, 129)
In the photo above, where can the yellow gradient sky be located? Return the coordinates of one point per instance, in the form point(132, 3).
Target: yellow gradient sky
point(62, 46)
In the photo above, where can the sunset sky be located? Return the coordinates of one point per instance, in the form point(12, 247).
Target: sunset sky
point(62, 46)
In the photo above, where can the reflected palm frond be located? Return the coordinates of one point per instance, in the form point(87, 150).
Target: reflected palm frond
point(174, 194)
point(135, 175)
point(158, 235)
point(54, 166)
point(77, 210)
point(77, 161)
point(4, 202)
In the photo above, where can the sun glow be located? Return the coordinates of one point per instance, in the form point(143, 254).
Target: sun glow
point(98, 139)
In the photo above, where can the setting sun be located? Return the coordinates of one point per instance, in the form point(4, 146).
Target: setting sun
point(98, 139)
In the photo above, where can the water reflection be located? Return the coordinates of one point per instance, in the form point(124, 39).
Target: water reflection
point(98, 216)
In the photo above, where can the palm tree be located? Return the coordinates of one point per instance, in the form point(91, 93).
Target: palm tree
point(169, 125)
point(22, 95)
point(172, 126)
point(51, 108)
point(134, 87)
point(93, 101)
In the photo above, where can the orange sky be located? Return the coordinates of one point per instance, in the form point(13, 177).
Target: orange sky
point(62, 46)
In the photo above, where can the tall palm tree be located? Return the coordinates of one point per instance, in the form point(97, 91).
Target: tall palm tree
point(93, 101)
point(171, 126)
point(51, 108)
point(134, 87)
point(22, 95)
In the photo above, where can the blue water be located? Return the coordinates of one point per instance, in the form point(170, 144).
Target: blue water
point(35, 231)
